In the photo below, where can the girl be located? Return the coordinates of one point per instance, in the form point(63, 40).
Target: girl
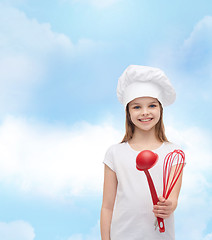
point(127, 212)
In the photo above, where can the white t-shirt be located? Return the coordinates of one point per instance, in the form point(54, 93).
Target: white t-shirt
point(133, 218)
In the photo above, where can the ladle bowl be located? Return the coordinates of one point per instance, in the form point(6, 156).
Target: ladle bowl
point(146, 159)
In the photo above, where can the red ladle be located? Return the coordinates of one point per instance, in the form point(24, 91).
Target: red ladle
point(145, 160)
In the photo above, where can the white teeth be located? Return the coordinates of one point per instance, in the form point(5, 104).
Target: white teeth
point(145, 120)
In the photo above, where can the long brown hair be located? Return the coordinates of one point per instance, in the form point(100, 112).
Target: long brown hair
point(130, 128)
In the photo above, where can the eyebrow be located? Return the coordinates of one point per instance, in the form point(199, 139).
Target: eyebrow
point(140, 103)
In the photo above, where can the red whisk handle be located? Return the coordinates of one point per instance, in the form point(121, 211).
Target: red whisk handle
point(161, 224)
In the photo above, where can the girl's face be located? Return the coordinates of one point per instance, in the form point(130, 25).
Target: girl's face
point(144, 113)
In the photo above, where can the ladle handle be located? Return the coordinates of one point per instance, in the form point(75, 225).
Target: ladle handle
point(154, 199)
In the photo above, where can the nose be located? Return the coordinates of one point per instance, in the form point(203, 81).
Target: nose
point(144, 111)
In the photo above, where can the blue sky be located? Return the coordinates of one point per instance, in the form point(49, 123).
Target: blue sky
point(59, 65)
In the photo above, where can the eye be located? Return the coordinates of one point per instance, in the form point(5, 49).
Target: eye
point(136, 107)
point(153, 105)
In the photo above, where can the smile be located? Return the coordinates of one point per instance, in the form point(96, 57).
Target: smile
point(145, 120)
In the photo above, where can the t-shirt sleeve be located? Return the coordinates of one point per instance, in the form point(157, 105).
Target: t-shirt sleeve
point(109, 159)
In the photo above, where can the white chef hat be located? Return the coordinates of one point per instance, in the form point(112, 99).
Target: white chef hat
point(143, 81)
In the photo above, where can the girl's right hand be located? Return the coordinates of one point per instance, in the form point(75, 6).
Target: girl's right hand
point(164, 208)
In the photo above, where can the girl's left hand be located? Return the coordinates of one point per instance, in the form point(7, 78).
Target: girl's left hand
point(164, 208)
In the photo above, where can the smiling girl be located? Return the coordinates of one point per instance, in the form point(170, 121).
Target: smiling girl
point(127, 212)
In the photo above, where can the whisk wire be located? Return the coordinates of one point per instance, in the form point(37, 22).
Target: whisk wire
point(177, 159)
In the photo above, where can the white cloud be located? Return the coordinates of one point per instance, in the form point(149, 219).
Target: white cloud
point(208, 237)
point(54, 161)
point(23, 35)
point(16, 230)
point(25, 47)
point(193, 55)
point(92, 235)
point(202, 33)
point(26, 39)
point(29, 53)
point(189, 64)
point(76, 237)
point(196, 52)
point(196, 58)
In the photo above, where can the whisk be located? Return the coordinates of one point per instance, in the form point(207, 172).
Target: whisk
point(172, 168)
point(174, 159)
